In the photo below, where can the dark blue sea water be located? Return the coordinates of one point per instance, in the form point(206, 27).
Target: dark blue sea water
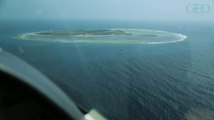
point(126, 82)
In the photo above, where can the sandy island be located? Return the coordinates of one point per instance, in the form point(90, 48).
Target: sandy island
point(105, 36)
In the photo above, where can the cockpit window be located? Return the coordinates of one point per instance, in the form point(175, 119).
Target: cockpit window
point(129, 60)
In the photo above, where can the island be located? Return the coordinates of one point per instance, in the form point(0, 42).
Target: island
point(85, 32)
point(104, 36)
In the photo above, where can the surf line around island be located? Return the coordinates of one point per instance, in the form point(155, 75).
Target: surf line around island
point(105, 36)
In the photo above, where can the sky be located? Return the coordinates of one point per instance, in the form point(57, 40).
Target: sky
point(146, 10)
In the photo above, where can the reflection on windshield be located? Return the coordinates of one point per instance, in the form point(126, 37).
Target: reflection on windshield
point(199, 114)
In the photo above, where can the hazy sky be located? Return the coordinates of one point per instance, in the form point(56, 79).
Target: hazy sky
point(156, 10)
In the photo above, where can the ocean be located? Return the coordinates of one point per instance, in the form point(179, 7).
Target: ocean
point(172, 81)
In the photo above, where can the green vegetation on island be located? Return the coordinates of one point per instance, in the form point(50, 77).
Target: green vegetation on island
point(85, 32)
